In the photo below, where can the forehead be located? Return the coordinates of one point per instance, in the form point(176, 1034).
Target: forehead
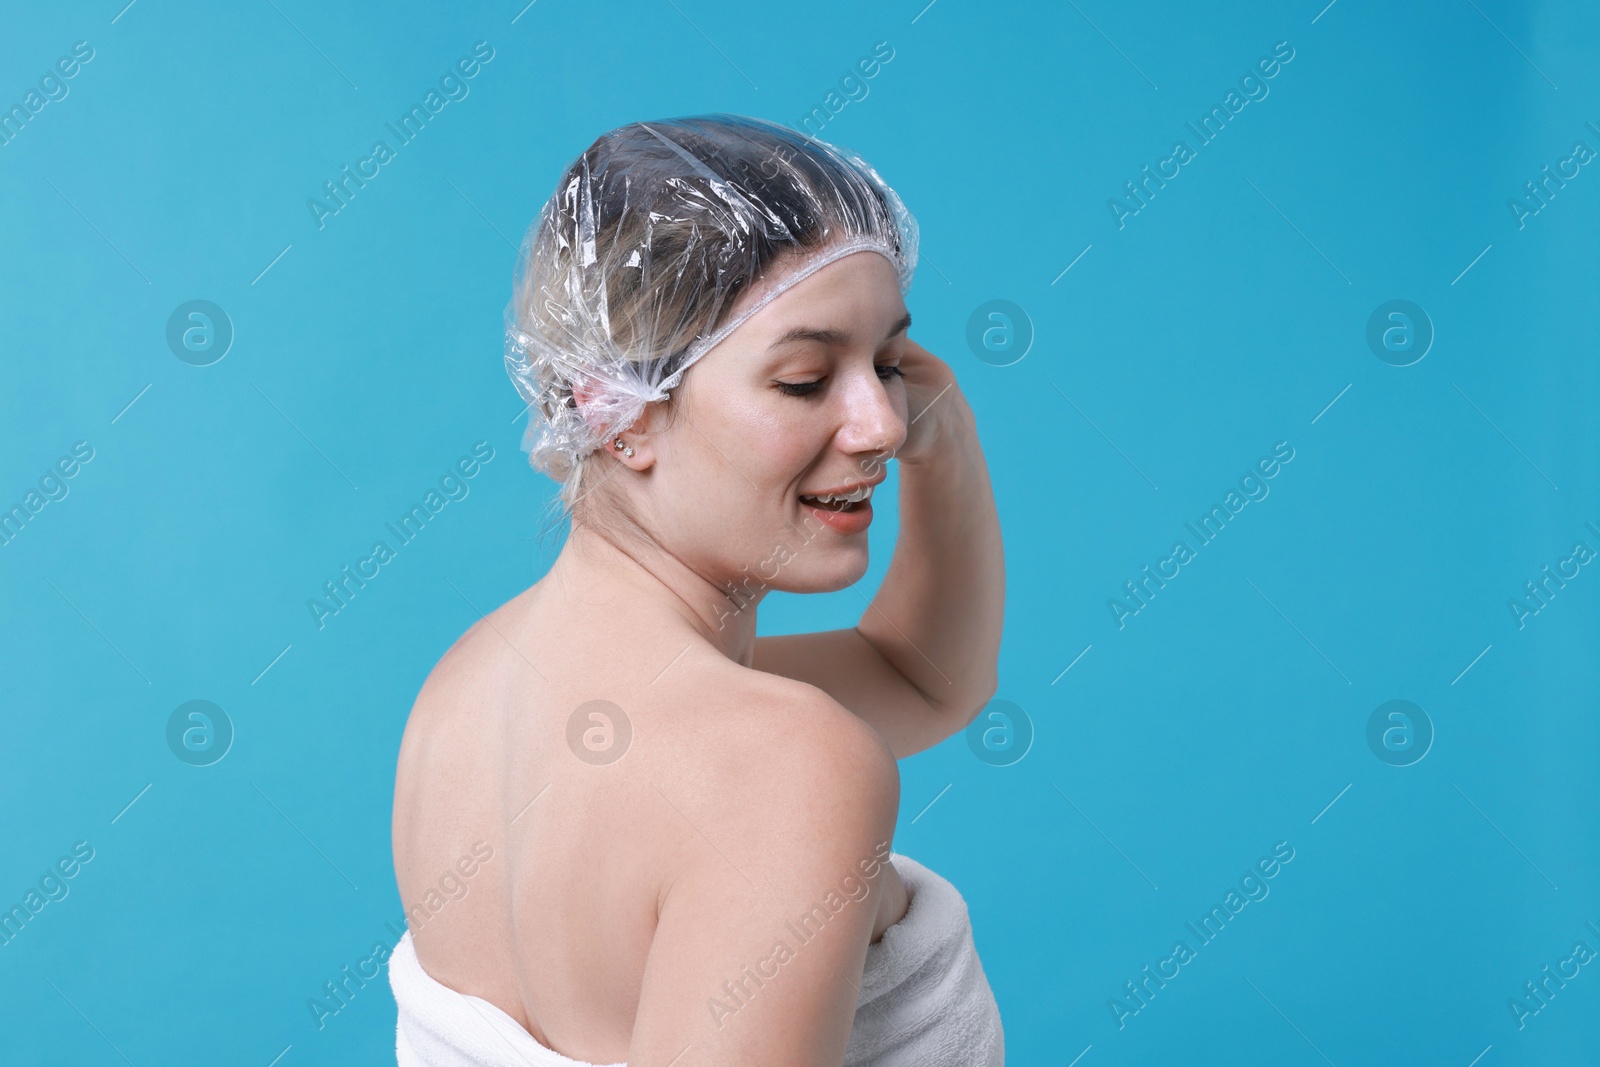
point(853, 300)
point(861, 285)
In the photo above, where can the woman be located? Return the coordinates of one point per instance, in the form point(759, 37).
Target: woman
point(625, 827)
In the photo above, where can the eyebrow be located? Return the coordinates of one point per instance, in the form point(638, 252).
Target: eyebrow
point(833, 337)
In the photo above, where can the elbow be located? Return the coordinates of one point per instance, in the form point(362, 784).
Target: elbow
point(977, 699)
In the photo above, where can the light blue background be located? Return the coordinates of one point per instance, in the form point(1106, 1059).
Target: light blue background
point(1224, 317)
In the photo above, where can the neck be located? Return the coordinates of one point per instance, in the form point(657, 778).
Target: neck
point(646, 586)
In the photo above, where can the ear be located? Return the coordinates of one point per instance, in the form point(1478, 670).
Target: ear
point(635, 437)
point(583, 392)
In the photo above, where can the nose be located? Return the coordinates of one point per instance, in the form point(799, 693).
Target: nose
point(874, 420)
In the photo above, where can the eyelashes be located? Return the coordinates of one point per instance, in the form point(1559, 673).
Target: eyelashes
point(885, 373)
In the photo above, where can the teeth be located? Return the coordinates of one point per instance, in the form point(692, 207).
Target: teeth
point(860, 494)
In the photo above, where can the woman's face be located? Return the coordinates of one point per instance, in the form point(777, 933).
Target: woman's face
point(803, 398)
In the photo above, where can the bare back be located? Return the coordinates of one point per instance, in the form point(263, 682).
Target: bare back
point(536, 834)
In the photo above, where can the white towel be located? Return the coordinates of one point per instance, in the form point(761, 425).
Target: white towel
point(439, 1027)
point(924, 1002)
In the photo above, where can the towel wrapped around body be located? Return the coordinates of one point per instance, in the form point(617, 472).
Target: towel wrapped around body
point(924, 1002)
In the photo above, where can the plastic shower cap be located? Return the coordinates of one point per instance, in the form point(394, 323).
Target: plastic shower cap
point(634, 267)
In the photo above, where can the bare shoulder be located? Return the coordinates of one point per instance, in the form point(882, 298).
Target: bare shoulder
point(477, 675)
point(472, 663)
point(456, 707)
point(768, 776)
point(776, 740)
point(793, 802)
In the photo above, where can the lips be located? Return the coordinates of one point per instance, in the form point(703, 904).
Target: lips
point(844, 498)
point(835, 504)
point(841, 516)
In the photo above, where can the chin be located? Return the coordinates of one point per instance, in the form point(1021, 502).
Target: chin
point(846, 567)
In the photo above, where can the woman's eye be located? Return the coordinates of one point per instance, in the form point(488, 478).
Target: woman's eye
point(799, 388)
point(885, 373)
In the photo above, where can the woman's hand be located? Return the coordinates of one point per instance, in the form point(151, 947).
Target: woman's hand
point(932, 400)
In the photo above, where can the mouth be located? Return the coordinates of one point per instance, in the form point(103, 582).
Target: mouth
point(852, 500)
point(846, 510)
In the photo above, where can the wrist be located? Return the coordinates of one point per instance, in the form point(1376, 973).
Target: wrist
point(953, 433)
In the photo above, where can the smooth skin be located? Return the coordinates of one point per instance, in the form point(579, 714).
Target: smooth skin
point(760, 774)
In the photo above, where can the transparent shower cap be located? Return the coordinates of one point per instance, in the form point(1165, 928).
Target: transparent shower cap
point(660, 240)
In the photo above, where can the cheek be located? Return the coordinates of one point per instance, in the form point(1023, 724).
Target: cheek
point(773, 441)
point(741, 445)
point(789, 447)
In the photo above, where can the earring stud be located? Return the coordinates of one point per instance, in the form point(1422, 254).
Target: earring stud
point(620, 446)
